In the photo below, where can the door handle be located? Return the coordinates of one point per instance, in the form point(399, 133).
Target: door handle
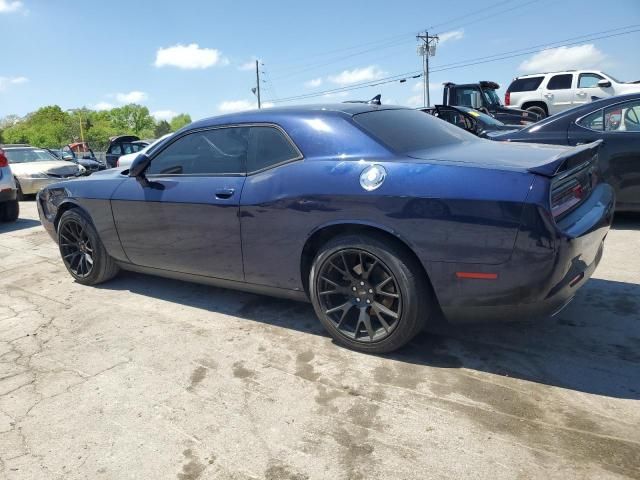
point(548, 95)
point(224, 193)
point(581, 94)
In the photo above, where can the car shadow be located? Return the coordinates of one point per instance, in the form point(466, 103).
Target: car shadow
point(626, 221)
point(593, 346)
point(19, 224)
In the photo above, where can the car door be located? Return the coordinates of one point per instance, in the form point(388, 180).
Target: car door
point(558, 92)
point(588, 89)
point(619, 126)
point(184, 217)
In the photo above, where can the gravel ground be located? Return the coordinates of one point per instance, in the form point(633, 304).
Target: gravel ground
point(149, 378)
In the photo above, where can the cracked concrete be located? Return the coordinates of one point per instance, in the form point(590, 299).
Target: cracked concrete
point(152, 378)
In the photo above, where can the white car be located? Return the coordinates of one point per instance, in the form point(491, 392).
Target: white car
point(34, 168)
point(125, 161)
point(549, 93)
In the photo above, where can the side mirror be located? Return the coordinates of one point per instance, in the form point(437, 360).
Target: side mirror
point(139, 165)
point(67, 156)
point(604, 83)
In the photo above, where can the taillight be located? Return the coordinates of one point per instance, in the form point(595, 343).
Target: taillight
point(567, 196)
point(507, 98)
point(3, 159)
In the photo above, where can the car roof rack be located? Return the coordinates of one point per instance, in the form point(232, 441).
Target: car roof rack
point(377, 100)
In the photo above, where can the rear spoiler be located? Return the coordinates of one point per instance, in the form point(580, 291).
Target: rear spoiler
point(568, 160)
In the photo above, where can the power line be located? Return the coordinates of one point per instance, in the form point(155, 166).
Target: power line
point(395, 40)
point(502, 56)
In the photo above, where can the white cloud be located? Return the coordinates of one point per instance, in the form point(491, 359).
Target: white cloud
point(231, 106)
point(134, 96)
point(10, 6)
point(564, 58)
point(6, 82)
point(189, 57)
point(102, 106)
point(313, 83)
point(164, 114)
point(452, 35)
point(347, 77)
point(247, 66)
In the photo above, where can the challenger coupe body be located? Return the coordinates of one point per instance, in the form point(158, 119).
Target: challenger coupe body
point(381, 216)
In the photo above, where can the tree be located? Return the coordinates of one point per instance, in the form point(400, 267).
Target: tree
point(180, 121)
point(47, 127)
point(133, 119)
point(162, 128)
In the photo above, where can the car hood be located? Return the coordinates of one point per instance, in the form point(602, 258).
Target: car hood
point(497, 155)
point(58, 168)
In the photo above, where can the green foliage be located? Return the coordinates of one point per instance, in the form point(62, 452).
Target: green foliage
point(162, 128)
point(180, 121)
point(51, 127)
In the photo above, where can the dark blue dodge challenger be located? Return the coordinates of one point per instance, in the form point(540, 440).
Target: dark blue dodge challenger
point(381, 216)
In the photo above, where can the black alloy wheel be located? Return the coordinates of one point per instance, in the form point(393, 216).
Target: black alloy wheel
point(76, 248)
point(360, 295)
point(369, 293)
point(82, 250)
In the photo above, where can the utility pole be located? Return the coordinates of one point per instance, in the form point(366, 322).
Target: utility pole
point(257, 91)
point(426, 49)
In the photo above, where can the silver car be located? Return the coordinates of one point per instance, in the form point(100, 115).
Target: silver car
point(34, 168)
point(9, 206)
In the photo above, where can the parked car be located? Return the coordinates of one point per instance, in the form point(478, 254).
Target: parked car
point(379, 215)
point(616, 121)
point(549, 93)
point(9, 206)
point(125, 161)
point(483, 97)
point(471, 120)
point(34, 168)
point(82, 154)
point(123, 145)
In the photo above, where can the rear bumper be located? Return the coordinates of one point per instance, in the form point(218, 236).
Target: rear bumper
point(548, 266)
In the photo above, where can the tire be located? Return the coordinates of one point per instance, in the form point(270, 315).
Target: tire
point(78, 240)
point(9, 211)
point(338, 271)
point(538, 110)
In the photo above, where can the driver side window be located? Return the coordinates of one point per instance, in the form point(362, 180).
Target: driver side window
point(221, 151)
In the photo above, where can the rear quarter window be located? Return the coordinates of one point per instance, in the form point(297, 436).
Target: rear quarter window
point(405, 131)
point(525, 84)
point(560, 82)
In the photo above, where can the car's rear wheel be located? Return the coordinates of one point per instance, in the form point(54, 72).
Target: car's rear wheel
point(82, 252)
point(9, 211)
point(369, 293)
point(538, 110)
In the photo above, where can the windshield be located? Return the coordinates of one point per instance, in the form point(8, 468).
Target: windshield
point(407, 131)
point(25, 155)
point(492, 97)
point(483, 117)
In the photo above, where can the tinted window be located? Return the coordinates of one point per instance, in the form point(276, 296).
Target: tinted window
point(560, 82)
point(410, 130)
point(456, 118)
point(269, 147)
point(525, 84)
point(127, 148)
point(589, 80)
point(593, 121)
point(210, 152)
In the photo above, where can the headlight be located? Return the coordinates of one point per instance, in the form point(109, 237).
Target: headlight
point(36, 175)
point(81, 170)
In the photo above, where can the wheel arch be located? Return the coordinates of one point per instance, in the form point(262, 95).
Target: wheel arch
point(322, 234)
point(535, 103)
point(65, 206)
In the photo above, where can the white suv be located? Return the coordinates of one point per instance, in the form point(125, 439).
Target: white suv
point(550, 93)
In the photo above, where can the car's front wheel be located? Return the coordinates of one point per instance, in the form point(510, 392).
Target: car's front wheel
point(538, 110)
point(369, 293)
point(82, 252)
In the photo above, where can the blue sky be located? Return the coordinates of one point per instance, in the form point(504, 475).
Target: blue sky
point(193, 56)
